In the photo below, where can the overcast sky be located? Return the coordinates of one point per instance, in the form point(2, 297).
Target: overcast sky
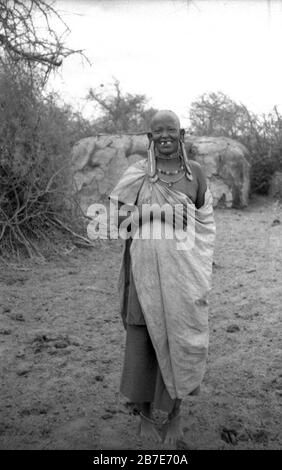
point(175, 50)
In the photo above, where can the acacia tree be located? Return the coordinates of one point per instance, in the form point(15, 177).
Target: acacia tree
point(215, 114)
point(28, 34)
point(218, 115)
point(120, 112)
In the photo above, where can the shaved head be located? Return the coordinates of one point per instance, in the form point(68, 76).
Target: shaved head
point(165, 114)
point(165, 133)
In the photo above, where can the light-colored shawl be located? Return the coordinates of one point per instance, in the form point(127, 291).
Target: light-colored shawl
point(172, 284)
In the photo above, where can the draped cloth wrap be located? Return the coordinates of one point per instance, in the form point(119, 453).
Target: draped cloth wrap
point(172, 283)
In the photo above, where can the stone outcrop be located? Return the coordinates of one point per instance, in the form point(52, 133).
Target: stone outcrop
point(98, 163)
point(226, 167)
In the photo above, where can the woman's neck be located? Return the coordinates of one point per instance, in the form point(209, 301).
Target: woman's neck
point(169, 163)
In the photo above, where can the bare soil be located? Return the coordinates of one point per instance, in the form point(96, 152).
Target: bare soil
point(62, 343)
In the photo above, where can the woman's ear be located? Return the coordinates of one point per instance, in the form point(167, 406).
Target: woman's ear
point(182, 134)
point(150, 137)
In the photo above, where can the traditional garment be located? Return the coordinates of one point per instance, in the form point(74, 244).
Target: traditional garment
point(141, 379)
point(172, 281)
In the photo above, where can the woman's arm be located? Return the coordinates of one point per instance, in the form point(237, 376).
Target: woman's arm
point(202, 185)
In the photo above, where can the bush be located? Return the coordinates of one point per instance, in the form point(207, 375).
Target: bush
point(261, 173)
point(36, 137)
point(216, 114)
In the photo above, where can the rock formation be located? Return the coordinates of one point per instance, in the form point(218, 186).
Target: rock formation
point(98, 162)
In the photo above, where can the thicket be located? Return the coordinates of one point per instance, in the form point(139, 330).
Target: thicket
point(36, 138)
point(119, 112)
point(36, 132)
point(215, 114)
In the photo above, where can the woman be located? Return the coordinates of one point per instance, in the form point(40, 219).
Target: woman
point(163, 283)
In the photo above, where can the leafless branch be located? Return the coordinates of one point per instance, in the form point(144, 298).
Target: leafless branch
point(28, 33)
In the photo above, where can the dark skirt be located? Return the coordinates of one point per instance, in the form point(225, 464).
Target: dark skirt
point(141, 379)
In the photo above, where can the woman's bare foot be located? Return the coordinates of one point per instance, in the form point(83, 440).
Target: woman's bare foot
point(174, 430)
point(147, 429)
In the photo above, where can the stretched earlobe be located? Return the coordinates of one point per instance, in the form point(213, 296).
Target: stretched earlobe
point(152, 163)
point(189, 175)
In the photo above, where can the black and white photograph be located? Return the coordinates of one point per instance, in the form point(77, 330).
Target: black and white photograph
point(141, 227)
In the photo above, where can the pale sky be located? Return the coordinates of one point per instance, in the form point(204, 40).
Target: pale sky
point(174, 50)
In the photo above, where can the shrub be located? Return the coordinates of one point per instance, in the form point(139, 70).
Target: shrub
point(216, 114)
point(36, 136)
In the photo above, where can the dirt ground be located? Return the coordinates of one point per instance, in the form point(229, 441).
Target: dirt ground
point(62, 343)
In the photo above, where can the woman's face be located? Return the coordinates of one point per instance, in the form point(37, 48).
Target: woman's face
point(165, 133)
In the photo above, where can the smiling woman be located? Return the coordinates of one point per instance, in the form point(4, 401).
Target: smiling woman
point(163, 284)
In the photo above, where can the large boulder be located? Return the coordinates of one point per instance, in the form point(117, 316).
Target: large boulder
point(226, 167)
point(98, 163)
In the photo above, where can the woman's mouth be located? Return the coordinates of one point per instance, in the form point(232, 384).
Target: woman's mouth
point(165, 143)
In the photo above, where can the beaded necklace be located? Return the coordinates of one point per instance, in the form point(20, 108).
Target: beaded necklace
point(181, 170)
point(175, 172)
point(170, 183)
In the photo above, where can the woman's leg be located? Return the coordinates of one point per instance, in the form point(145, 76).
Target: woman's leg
point(139, 377)
point(174, 429)
point(140, 367)
point(147, 427)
